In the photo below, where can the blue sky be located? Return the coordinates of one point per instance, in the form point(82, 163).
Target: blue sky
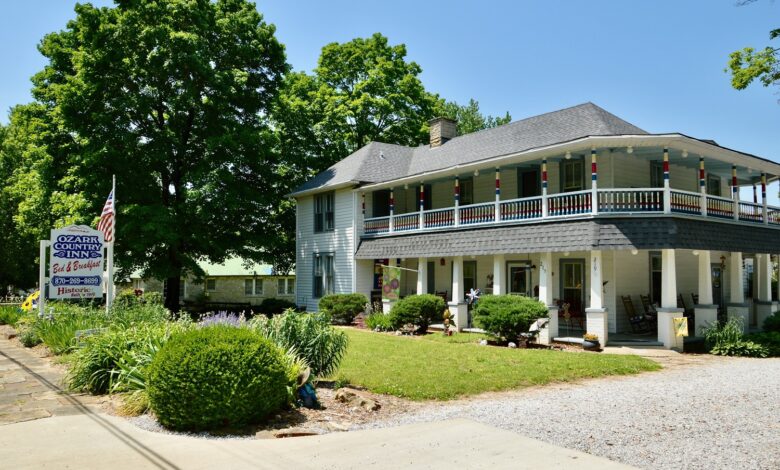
point(657, 64)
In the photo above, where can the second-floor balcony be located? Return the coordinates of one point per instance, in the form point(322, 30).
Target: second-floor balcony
point(578, 204)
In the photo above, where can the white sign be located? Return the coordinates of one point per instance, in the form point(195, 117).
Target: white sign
point(76, 263)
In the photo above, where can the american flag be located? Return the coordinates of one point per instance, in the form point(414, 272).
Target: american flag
point(106, 224)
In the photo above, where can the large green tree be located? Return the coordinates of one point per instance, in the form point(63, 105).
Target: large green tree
point(749, 64)
point(172, 97)
point(470, 118)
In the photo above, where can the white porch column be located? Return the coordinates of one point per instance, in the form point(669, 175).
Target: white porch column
point(546, 297)
point(596, 314)
point(422, 275)
point(737, 307)
point(499, 286)
point(764, 306)
point(705, 314)
point(458, 307)
point(669, 309)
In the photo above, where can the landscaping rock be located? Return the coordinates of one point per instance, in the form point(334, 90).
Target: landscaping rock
point(356, 399)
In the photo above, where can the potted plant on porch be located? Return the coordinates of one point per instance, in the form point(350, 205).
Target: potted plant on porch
point(590, 342)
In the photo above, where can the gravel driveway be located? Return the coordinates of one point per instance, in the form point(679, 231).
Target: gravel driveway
point(706, 412)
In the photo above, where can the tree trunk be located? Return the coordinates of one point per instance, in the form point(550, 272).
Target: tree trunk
point(172, 294)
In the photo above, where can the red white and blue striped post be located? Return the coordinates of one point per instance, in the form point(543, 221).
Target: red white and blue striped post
point(702, 187)
point(422, 206)
point(456, 215)
point(363, 204)
point(764, 208)
point(497, 209)
point(392, 211)
point(545, 210)
point(735, 191)
point(667, 191)
point(594, 182)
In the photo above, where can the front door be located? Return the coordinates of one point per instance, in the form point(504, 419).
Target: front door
point(519, 276)
point(573, 292)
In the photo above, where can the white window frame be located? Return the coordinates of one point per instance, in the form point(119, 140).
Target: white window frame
point(256, 287)
point(324, 269)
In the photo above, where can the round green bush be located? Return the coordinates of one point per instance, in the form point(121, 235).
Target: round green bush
point(343, 308)
point(419, 310)
point(506, 316)
point(273, 306)
point(772, 322)
point(217, 376)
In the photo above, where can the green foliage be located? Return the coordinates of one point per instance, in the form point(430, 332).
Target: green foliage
point(58, 330)
point(507, 316)
point(748, 64)
point(470, 118)
point(343, 308)
point(10, 314)
point(117, 360)
point(770, 340)
point(309, 335)
point(273, 306)
point(419, 310)
point(153, 298)
point(29, 338)
point(772, 322)
point(215, 377)
point(728, 340)
point(378, 321)
point(137, 313)
point(179, 91)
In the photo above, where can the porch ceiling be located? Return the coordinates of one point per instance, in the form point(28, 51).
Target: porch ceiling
point(652, 233)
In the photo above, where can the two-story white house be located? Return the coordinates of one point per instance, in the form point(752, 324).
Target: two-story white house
point(577, 207)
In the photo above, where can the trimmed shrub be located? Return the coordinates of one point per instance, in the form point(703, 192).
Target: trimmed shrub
point(273, 306)
point(9, 315)
point(419, 310)
point(507, 316)
point(126, 297)
point(215, 377)
point(378, 321)
point(153, 298)
point(770, 340)
point(772, 322)
point(309, 335)
point(343, 308)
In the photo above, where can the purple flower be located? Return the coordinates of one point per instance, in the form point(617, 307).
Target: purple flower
point(222, 318)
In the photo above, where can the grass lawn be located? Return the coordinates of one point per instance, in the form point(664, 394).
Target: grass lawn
point(442, 368)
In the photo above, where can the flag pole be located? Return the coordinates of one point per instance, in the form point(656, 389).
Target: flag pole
point(110, 251)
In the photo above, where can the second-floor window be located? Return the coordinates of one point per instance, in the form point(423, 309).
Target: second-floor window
point(713, 185)
point(572, 175)
point(656, 174)
point(380, 203)
point(466, 191)
point(324, 206)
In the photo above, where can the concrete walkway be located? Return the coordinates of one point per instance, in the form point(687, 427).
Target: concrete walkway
point(41, 426)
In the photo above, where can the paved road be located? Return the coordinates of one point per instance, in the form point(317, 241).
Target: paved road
point(47, 428)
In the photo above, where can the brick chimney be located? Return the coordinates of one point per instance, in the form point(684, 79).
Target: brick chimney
point(442, 130)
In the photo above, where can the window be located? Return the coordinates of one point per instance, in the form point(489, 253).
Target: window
point(431, 277)
point(655, 277)
point(211, 285)
point(323, 212)
point(285, 286)
point(656, 174)
point(323, 274)
point(426, 201)
point(253, 287)
point(467, 191)
point(380, 203)
point(713, 185)
point(572, 175)
point(573, 284)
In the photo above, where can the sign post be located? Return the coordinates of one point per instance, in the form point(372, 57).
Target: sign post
point(75, 263)
point(42, 278)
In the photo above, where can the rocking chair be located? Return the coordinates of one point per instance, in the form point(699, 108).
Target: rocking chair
point(638, 322)
point(650, 312)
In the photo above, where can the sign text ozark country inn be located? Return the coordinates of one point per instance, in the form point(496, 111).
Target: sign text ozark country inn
point(76, 263)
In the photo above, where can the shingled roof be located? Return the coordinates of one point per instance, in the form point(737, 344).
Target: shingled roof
point(379, 162)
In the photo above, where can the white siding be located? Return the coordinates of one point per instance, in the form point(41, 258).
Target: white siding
point(341, 242)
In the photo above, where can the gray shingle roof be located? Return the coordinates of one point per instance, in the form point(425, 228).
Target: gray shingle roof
point(594, 234)
point(379, 162)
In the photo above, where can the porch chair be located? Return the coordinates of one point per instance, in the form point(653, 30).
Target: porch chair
point(638, 322)
point(651, 315)
point(444, 295)
point(695, 298)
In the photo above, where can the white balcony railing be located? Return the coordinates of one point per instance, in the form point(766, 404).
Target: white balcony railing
point(631, 201)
